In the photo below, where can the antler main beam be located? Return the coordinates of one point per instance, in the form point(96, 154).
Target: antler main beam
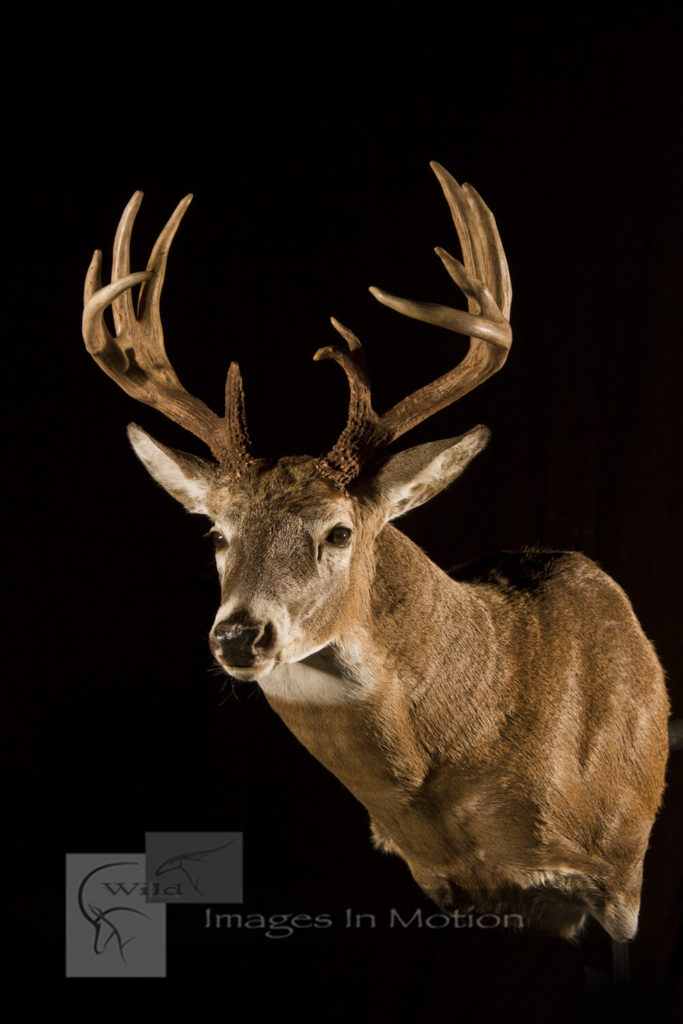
point(135, 356)
point(484, 279)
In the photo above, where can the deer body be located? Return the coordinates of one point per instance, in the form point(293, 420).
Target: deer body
point(504, 726)
point(462, 754)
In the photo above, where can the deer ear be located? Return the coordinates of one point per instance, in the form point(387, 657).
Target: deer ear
point(413, 477)
point(187, 478)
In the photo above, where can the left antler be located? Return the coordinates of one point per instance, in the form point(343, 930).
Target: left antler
point(136, 356)
point(485, 280)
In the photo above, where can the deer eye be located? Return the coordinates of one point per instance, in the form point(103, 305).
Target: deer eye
point(217, 539)
point(340, 536)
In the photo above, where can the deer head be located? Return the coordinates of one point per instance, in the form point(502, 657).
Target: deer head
point(294, 538)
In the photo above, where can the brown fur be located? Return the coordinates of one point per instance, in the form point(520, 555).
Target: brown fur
point(505, 729)
point(513, 747)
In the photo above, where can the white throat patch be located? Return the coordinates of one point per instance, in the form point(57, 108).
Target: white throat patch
point(316, 680)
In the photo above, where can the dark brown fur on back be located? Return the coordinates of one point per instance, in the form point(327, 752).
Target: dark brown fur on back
point(513, 571)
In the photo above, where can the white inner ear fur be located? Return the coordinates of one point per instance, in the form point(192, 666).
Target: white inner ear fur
point(413, 477)
point(185, 478)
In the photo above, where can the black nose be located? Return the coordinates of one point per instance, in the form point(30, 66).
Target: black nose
point(236, 642)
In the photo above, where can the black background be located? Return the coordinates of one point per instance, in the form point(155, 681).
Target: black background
point(306, 139)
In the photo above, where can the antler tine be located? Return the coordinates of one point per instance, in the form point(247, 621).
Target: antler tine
point(98, 341)
point(484, 279)
point(150, 293)
point(364, 430)
point(239, 443)
point(490, 261)
point(122, 307)
point(353, 364)
point(136, 356)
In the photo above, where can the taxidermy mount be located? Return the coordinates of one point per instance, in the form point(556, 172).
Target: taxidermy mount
point(506, 726)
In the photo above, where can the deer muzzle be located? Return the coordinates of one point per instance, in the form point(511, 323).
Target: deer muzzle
point(237, 642)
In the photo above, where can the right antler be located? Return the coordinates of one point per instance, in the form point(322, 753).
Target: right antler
point(136, 357)
point(485, 280)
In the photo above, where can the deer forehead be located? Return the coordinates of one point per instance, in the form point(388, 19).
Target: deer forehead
point(289, 494)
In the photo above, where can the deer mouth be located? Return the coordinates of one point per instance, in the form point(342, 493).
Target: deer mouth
point(249, 673)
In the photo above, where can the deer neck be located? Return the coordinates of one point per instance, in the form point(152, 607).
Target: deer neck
point(368, 705)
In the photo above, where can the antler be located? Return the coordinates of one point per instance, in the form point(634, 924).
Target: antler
point(485, 280)
point(136, 357)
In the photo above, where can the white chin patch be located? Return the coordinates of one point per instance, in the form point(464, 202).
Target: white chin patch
point(311, 681)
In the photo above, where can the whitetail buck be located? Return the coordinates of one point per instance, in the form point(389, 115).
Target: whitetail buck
point(506, 728)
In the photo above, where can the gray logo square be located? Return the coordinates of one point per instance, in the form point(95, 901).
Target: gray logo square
point(111, 930)
point(194, 867)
